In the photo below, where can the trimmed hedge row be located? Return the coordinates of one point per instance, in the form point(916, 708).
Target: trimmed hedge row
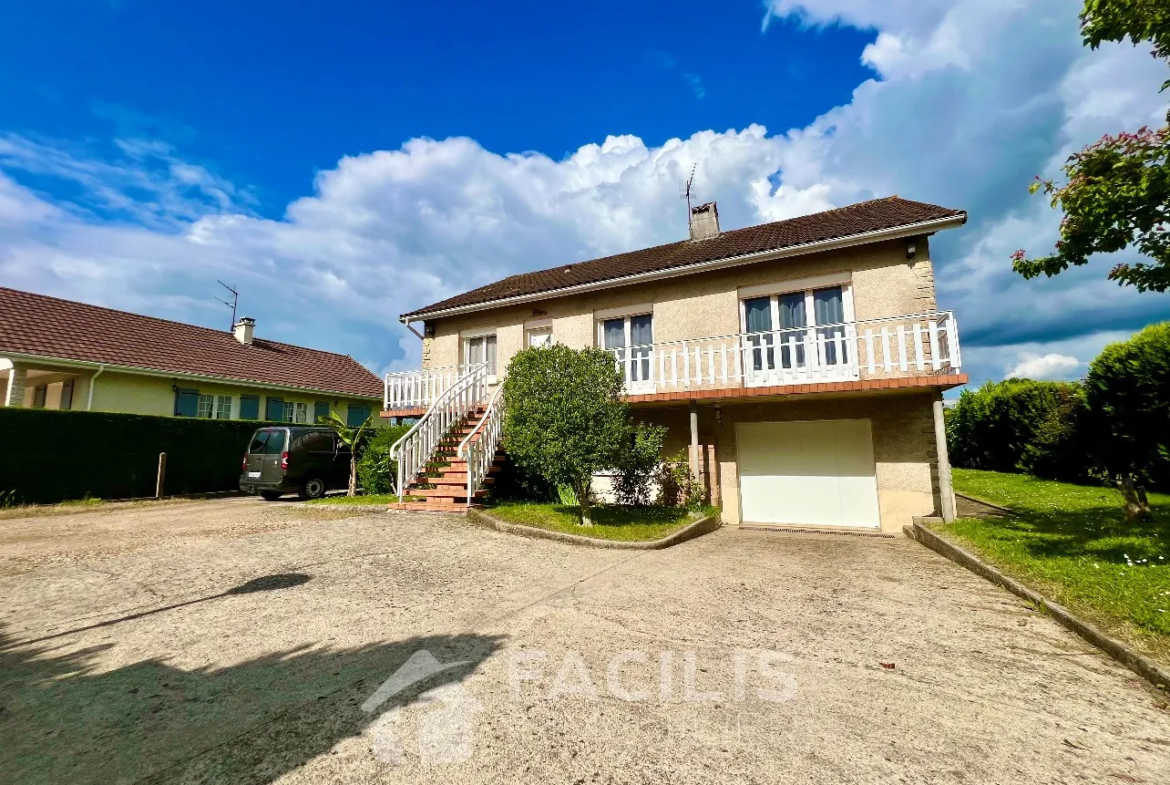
point(52, 456)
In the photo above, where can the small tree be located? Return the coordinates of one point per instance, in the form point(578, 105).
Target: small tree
point(352, 438)
point(564, 416)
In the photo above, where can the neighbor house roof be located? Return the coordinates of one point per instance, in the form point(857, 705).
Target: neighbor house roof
point(34, 324)
point(841, 224)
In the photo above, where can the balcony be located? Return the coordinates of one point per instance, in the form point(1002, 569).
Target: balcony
point(901, 351)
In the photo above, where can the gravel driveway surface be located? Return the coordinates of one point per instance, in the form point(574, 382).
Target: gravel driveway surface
point(743, 656)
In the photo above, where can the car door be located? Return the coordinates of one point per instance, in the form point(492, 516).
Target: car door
point(274, 449)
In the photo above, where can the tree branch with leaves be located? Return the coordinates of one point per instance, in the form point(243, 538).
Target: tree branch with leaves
point(1116, 193)
point(353, 439)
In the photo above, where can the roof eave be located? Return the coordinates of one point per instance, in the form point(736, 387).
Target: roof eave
point(163, 373)
point(880, 235)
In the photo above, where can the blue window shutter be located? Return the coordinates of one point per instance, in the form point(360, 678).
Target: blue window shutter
point(186, 403)
point(249, 407)
point(356, 415)
point(275, 411)
point(320, 409)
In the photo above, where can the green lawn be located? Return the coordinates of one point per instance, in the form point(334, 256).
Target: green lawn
point(611, 522)
point(1071, 543)
point(376, 498)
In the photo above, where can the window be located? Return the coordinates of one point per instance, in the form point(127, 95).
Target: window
point(249, 407)
point(792, 331)
point(67, 394)
point(40, 392)
point(320, 410)
point(356, 415)
point(258, 442)
point(275, 443)
point(481, 349)
point(186, 403)
point(223, 407)
point(296, 412)
point(630, 339)
point(206, 406)
point(317, 441)
point(275, 410)
point(540, 336)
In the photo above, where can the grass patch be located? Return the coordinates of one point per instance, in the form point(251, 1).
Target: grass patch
point(88, 502)
point(1072, 544)
point(610, 522)
point(375, 498)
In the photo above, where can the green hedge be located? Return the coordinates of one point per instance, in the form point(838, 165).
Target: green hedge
point(51, 456)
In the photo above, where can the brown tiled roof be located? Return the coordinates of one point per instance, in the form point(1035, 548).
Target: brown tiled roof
point(889, 213)
point(49, 327)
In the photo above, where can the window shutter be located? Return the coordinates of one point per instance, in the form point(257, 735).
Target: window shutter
point(186, 403)
point(320, 409)
point(249, 407)
point(356, 415)
point(275, 411)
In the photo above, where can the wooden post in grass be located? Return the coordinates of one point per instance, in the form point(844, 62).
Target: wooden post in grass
point(162, 475)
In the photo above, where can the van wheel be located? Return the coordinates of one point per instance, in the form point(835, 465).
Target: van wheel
point(270, 496)
point(312, 488)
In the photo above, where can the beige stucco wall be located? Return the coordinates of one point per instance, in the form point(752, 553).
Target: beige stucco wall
point(903, 444)
point(884, 283)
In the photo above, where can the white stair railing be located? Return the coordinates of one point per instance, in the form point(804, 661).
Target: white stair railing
point(478, 448)
point(414, 449)
point(418, 389)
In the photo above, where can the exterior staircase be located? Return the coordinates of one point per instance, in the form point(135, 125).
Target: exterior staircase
point(442, 485)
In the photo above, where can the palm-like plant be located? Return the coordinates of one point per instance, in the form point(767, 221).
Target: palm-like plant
point(350, 437)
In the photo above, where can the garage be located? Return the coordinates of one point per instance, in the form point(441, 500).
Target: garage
point(813, 473)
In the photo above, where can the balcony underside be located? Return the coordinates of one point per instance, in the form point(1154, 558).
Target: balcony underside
point(940, 382)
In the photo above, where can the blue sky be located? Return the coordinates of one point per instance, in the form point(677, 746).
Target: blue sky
point(344, 163)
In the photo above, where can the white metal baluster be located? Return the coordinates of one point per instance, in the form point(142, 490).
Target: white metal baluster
point(918, 347)
point(723, 360)
point(887, 358)
point(901, 330)
point(935, 359)
point(686, 366)
point(869, 359)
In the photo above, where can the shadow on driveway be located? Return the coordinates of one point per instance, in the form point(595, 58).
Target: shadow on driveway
point(63, 720)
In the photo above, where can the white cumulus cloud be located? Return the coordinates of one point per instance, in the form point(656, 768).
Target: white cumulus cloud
point(1047, 367)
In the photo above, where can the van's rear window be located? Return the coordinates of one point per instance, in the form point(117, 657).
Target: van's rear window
point(275, 444)
point(258, 441)
point(267, 443)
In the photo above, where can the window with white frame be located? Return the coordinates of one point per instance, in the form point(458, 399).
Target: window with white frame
point(630, 339)
point(297, 413)
point(480, 349)
point(206, 406)
point(539, 335)
point(789, 331)
point(223, 407)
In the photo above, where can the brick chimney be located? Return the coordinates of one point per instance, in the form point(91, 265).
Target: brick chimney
point(243, 330)
point(704, 221)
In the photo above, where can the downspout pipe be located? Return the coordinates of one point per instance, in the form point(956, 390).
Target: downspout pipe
point(89, 395)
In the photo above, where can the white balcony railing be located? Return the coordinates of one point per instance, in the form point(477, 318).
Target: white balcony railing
point(419, 389)
point(898, 346)
point(926, 344)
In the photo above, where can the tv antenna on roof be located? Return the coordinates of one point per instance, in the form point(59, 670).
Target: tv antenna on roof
point(232, 304)
point(687, 192)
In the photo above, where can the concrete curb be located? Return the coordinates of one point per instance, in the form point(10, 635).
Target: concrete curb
point(986, 503)
point(696, 529)
point(1145, 667)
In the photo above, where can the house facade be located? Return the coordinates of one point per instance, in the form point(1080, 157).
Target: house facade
point(800, 364)
point(60, 354)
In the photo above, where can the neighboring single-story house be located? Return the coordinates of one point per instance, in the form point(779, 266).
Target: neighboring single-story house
point(60, 354)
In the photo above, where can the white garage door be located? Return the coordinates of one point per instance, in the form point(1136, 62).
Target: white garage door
point(814, 473)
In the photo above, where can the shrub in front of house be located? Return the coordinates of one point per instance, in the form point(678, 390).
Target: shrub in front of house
point(377, 471)
point(565, 418)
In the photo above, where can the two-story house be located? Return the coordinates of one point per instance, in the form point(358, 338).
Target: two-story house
point(802, 361)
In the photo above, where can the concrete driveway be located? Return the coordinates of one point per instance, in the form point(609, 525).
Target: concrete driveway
point(738, 657)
